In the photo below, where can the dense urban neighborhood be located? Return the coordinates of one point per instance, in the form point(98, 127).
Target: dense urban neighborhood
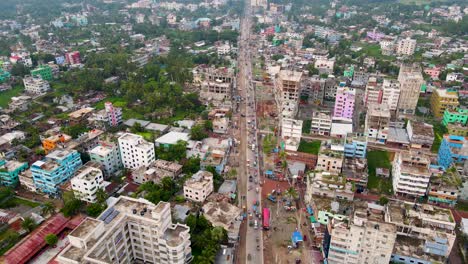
point(233, 131)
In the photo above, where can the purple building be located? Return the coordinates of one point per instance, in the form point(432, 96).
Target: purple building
point(374, 35)
point(344, 103)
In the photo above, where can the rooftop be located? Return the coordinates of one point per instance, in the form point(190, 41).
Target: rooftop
point(221, 214)
point(199, 180)
point(172, 138)
point(81, 112)
point(422, 129)
point(288, 75)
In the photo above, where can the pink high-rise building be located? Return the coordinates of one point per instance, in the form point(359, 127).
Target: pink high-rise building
point(344, 103)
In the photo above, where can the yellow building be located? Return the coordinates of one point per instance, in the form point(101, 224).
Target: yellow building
point(441, 100)
point(51, 142)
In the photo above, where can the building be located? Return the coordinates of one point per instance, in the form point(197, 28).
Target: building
point(10, 171)
point(410, 79)
point(314, 88)
point(57, 168)
point(344, 102)
point(355, 146)
point(54, 141)
point(4, 75)
point(356, 172)
point(291, 132)
point(391, 93)
point(321, 123)
point(288, 90)
point(374, 92)
point(443, 188)
point(406, 47)
point(457, 130)
point(421, 135)
point(35, 85)
point(80, 116)
point(411, 173)
point(73, 57)
point(442, 100)
point(135, 152)
point(171, 138)
point(156, 172)
point(108, 155)
point(130, 230)
point(86, 182)
point(113, 114)
point(199, 186)
point(377, 123)
point(44, 71)
point(330, 185)
point(367, 238)
point(341, 127)
point(453, 151)
point(330, 158)
point(324, 66)
point(458, 115)
point(216, 85)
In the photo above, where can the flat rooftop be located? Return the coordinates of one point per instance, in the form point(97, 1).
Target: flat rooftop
point(288, 75)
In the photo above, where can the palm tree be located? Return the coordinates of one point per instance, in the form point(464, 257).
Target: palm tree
point(292, 193)
point(48, 208)
point(28, 224)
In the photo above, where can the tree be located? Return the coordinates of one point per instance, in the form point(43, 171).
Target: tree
point(101, 196)
point(191, 165)
point(198, 133)
point(95, 209)
point(137, 128)
point(28, 224)
point(383, 200)
point(51, 239)
point(292, 193)
point(71, 205)
point(48, 208)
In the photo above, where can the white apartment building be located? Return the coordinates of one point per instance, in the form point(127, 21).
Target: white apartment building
point(108, 155)
point(86, 182)
point(330, 158)
point(391, 93)
point(411, 173)
point(35, 85)
point(406, 46)
point(368, 239)
point(135, 151)
point(223, 49)
point(129, 231)
point(321, 123)
point(291, 132)
point(387, 47)
point(199, 186)
point(411, 79)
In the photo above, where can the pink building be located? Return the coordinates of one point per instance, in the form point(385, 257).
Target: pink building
point(374, 35)
point(433, 72)
point(344, 103)
point(73, 57)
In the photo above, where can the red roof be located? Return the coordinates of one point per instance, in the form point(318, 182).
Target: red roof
point(34, 242)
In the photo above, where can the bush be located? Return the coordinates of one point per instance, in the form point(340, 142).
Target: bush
point(51, 239)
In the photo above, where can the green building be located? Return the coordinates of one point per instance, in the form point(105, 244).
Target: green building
point(9, 171)
point(45, 71)
point(349, 72)
point(4, 76)
point(460, 115)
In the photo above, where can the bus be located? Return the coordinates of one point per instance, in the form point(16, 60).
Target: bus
point(266, 218)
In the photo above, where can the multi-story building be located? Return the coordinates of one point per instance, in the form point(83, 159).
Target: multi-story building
point(458, 115)
point(367, 238)
point(377, 123)
point(344, 102)
point(10, 171)
point(457, 130)
point(330, 88)
point(53, 141)
point(129, 231)
point(57, 168)
point(156, 172)
point(374, 92)
point(410, 79)
point(443, 188)
point(113, 114)
point(44, 71)
point(406, 47)
point(330, 158)
point(411, 173)
point(420, 134)
point(199, 186)
point(35, 85)
point(391, 93)
point(108, 155)
point(442, 100)
point(321, 123)
point(288, 86)
point(355, 146)
point(216, 85)
point(135, 151)
point(86, 182)
point(314, 88)
point(387, 46)
point(356, 172)
point(325, 66)
point(4, 75)
point(73, 57)
point(453, 151)
point(291, 132)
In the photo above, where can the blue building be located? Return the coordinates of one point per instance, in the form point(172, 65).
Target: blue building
point(453, 150)
point(355, 146)
point(57, 168)
point(9, 171)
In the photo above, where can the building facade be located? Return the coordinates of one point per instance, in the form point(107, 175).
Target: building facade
point(10, 171)
point(86, 182)
point(44, 71)
point(321, 123)
point(344, 102)
point(57, 168)
point(35, 85)
point(442, 100)
point(453, 150)
point(135, 151)
point(411, 173)
point(406, 47)
point(458, 115)
point(355, 146)
point(377, 123)
point(288, 91)
point(108, 155)
point(391, 93)
point(410, 79)
point(199, 186)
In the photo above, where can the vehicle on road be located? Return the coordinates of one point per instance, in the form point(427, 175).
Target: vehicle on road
point(250, 178)
point(266, 218)
point(256, 224)
point(271, 198)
